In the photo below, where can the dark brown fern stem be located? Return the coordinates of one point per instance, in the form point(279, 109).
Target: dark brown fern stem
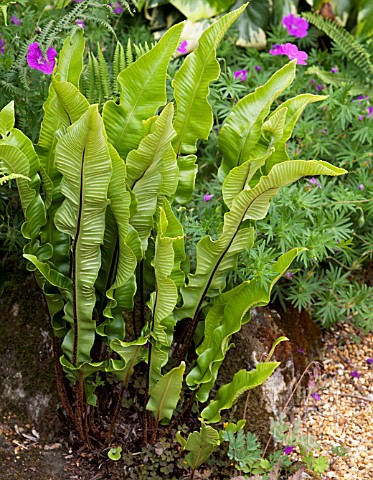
point(141, 292)
point(115, 415)
point(79, 405)
point(186, 338)
point(60, 381)
point(187, 406)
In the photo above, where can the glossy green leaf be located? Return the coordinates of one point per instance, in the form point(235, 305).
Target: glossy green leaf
point(191, 87)
point(132, 353)
point(199, 9)
point(70, 58)
point(242, 381)
point(83, 159)
point(165, 395)
point(255, 202)
point(7, 119)
point(275, 343)
point(143, 91)
point(64, 106)
point(292, 109)
point(115, 453)
point(240, 177)
point(187, 176)
point(214, 260)
point(201, 445)
point(364, 20)
point(224, 319)
point(253, 24)
point(164, 298)
point(54, 277)
point(148, 168)
point(120, 200)
point(242, 129)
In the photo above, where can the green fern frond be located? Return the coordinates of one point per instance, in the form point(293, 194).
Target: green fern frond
point(356, 88)
point(119, 64)
point(141, 50)
point(104, 78)
point(6, 178)
point(129, 54)
point(47, 33)
point(90, 80)
point(353, 50)
point(101, 22)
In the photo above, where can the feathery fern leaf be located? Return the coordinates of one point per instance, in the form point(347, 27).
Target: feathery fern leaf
point(354, 51)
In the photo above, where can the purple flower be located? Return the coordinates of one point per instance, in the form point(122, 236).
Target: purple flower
point(300, 350)
point(369, 361)
point(360, 117)
point(291, 51)
point(15, 20)
point(241, 75)
point(334, 70)
point(316, 396)
point(207, 197)
point(117, 8)
point(80, 23)
point(354, 374)
point(288, 450)
point(370, 112)
point(320, 87)
point(360, 98)
point(183, 47)
point(36, 59)
point(76, 1)
point(296, 26)
point(2, 47)
point(313, 181)
point(312, 81)
point(325, 131)
point(361, 186)
point(258, 68)
point(288, 274)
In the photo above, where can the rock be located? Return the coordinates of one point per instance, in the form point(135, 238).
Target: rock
point(252, 344)
point(26, 368)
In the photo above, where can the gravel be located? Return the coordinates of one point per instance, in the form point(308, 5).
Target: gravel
point(343, 417)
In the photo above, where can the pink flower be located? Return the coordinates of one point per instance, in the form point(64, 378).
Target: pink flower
point(334, 70)
point(35, 58)
point(80, 23)
point(208, 197)
point(296, 26)
point(291, 51)
point(241, 75)
point(316, 396)
point(361, 186)
point(183, 47)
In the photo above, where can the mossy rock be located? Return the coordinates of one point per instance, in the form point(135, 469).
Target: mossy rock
point(26, 366)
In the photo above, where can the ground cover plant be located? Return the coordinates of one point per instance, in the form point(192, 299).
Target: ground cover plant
point(328, 278)
point(99, 194)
